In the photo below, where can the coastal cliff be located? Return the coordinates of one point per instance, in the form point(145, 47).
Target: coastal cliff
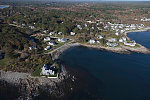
point(29, 86)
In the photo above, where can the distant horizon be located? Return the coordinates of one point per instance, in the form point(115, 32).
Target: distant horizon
point(78, 0)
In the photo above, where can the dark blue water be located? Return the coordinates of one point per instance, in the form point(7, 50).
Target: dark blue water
point(3, 6)
point(125, 76)
point(141, 38)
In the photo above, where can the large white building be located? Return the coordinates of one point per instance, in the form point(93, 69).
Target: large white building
point(48, 70)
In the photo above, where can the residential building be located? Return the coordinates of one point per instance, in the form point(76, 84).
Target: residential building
point(52, 43)
point(130, 44)
point(62, 40)
point(59, 33)
point(32, 27)
point(47, 39)
point(92, 41)
point(120, 40)
point(124, 38)
point(72, 33)
point(51, 33)
point(112, 40)
point(111, 44)
point(48, 70)
point(47, 48)
point(99, 36)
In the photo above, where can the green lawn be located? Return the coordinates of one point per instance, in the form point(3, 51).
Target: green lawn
point(53, 75)
point(37, 71)
point(4, 62)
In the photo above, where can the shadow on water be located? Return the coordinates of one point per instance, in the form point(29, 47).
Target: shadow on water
point(8, 91)
point(85, 87)
point(81, 88)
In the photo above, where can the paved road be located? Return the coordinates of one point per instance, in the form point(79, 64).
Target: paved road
point(15, 25)
point(63, 46)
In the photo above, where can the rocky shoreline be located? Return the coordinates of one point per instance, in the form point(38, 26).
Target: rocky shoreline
point(122, 49)
point(70, 88)
point(30, 86)
point(64, 48)
point(19, 77)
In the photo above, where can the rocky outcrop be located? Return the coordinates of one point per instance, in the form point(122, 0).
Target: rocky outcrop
point(30, 86)
point(122, 49)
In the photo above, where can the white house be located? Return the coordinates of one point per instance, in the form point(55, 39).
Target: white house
point(92, 41)
point(62, 40)
point(52, 43)
point(72, 33)
point(120, 40)
point(23, 24)
point(79, 27)
point(130, 44)
point(45, 31)
point(112, 40)
point(47, 39)
point(32, 47)
point(124, 38)
point(85, 25)
point(48, 70)
point(99, 36)
point(98, 41)
point(122, 31)
point(59, 33)
point(47, 48)
point(106, 27)
point(145, 19)
point(91, 22)
point(32, 27)
point(117, 33)
point(51, 33)
point(111, 44)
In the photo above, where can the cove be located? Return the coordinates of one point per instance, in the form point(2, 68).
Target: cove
point(125, 76)
point(142, 38)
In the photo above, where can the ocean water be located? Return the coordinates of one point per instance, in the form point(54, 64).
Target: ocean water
point(125, 76)
point(3, 6)
point(141, 38)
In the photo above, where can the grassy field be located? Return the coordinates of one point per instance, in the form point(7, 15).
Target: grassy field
point(4, 62)
point(37, 71)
